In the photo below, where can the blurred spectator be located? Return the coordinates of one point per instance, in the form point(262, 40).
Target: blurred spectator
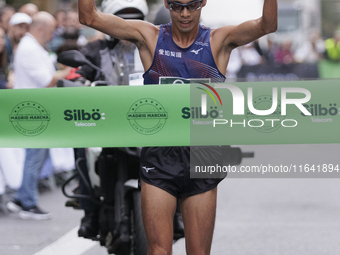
point(70, 45)
point(68, 38)
point(11, 168)
point(71, 34)
point(18, 27)
point(249, 55)
point(30, 9)
point(86, 34)
point(310, 51)
point(269, 49)
point(3, 61)
point(284, 54)
point(57, 39)
point(333, 47)
point(60, 16)
point(72, 20)
point(34, 69)
point(6, 13)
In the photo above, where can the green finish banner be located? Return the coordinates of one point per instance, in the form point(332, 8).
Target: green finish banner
point(193, 114)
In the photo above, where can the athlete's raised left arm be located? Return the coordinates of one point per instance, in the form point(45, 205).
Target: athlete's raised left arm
point(234, 36)
point(224, 39)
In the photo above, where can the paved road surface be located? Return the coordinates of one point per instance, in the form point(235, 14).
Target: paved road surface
point(255, 216)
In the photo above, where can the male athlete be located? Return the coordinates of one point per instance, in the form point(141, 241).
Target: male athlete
point(182, 48)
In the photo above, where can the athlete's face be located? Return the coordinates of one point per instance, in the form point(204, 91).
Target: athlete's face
point(185, 18)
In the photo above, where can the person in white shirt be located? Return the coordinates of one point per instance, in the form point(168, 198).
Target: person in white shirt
point(34, 69)
point(32, 66)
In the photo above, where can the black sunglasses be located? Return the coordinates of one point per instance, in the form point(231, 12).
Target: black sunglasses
point(192, 6)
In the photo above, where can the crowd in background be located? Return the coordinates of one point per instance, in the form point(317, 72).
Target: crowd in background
point(280, 53)
point(32, 40)
point(70, 34)
point(273, 52)
point(28, 32)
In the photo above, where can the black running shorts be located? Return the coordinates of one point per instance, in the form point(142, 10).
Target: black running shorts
point(168, 168)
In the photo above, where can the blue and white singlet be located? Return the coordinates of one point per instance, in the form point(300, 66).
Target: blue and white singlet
point(195, 61)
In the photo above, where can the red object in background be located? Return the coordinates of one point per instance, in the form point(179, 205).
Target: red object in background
point(73, 75)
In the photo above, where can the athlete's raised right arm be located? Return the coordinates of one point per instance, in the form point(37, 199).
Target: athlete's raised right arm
point(108, 23)
point(141, 33)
